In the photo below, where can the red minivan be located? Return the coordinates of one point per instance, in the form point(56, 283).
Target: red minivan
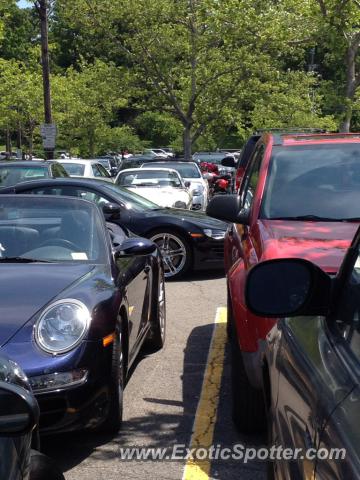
point(299, 197)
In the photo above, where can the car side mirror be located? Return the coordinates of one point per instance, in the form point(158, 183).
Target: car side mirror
point(135, 246)
point(228, 208)
point(111, 211)
point(19, 412)
point(287, 288)
point(187, 184)
point(228, 162)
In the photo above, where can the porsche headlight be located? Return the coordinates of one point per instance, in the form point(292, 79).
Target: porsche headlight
point(215, 234)
point(62, 326)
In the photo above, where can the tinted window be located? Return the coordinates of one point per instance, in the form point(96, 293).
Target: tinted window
point(12, 175)
point(317, 180)
point(96, 171)
point(58, 170)
point(74, 169)
point(52, 229)
point(251, 178)
point(103, 171)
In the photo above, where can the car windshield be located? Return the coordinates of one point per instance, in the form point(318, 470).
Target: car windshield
point(11, 175)
point(105, 162)
point(74, 168)
point(186, 171)
point(131, 200)
point(50, 229)
point(318, 181)
point(146, 178)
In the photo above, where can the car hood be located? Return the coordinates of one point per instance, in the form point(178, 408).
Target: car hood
point(27, 288)
point(164, 197)
point(323, 243)
point(198, 218)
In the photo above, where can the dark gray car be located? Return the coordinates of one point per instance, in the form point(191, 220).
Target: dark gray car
point(311, 363)
point(19, 416)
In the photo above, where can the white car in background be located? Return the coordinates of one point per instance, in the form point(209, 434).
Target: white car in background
point(77, 167)
point(163, 186)
point(190, 172)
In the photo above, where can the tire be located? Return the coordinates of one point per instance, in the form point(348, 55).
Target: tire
point(113, 419)
point(248, 409)
point(157, 334)
point(43, 467)
point(176, 266)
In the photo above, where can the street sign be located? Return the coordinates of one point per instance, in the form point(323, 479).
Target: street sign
point(48, 133)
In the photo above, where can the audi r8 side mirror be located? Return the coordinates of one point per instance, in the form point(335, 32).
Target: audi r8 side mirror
point(226, 208)
point(287, 288)
point(228, 162)
point(19, 413)
point(187, 184)
point(135, 246)
point(111, 211)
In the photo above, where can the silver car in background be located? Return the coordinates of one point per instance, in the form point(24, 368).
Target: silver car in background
point(190, 172)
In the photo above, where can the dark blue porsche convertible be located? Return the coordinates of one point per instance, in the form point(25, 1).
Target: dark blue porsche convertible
point(78, 298)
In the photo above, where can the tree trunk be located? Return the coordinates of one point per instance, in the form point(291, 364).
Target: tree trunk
point(31, 142)
point(187, 142)
point(351, 85)
point(91, 144)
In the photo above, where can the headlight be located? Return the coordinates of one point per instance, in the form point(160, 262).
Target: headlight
point(215, 234)
point(62, 326)
point(196, 193)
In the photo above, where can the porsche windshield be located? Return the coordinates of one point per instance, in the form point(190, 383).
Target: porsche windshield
point(50, 229)
point(315, 182)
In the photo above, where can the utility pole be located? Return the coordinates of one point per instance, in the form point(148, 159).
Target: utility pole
point(42, 9)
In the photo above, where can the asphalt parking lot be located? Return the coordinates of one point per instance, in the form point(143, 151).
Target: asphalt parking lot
point(179, 396)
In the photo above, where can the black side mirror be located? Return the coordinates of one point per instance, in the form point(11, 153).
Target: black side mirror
point(228, 162)
point(187, 184)
point(286, 288)
point(19, 410)
point(111, 211)
point(135, 246)
point(228, 208)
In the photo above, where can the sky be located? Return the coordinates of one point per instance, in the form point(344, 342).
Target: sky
point(23, 3)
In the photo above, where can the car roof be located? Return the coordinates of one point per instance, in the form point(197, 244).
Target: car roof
point(51, 182)
point(151, 169)
point(60, 198)
point(28, 163)
point(292, 139)
point(170, 162)
point(80, 161)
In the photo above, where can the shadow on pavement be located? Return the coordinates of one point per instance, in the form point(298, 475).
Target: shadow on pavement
point(155, 428)
point(200, 275)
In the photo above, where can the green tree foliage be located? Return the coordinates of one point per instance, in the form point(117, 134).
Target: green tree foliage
point(193, 74)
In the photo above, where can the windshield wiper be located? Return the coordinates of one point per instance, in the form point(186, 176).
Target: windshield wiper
point(22, 260)
point(314, 218)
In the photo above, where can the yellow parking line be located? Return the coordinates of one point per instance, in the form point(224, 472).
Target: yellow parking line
point(205, 418)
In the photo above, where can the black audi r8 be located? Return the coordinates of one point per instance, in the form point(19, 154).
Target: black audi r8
point(187, 239)
point(78, 299)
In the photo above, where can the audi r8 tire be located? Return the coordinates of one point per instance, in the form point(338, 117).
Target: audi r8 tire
point(248, 410)
point(156, 336)
point(113, 420)
point(176, 252)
